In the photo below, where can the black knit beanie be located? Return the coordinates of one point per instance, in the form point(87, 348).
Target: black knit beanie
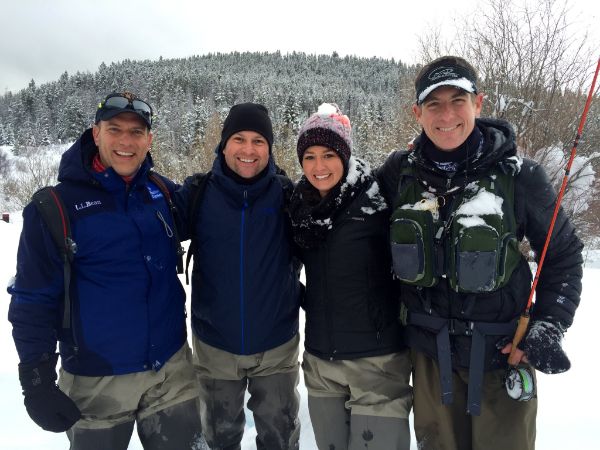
point(247, 117)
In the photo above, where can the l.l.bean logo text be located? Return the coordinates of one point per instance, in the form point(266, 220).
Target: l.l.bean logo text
point(84, 205)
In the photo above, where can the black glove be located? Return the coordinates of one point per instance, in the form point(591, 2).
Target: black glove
point(46, 404)
point(542, 346)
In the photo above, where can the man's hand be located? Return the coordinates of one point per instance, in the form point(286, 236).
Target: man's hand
point(46, 404)
point(518, 353)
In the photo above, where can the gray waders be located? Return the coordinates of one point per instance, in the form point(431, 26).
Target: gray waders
point(176, 427)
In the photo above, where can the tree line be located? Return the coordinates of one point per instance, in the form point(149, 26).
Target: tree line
point(533, 71)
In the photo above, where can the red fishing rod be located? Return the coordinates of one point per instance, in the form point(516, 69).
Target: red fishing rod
point(513, 360)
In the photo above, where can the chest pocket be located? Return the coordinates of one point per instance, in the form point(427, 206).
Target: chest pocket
point(412, 246)
point(476, 249)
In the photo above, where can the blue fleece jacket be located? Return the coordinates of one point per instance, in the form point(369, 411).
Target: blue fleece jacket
point(128, 304)
point(245, 290)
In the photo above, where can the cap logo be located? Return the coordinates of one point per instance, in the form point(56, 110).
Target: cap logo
point(443, 72)
point(445, 75)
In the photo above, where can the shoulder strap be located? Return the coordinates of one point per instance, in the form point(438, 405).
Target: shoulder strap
point(158, 181)
point(197, 188)
point(52, 210)
point(505, 184)
point(406, 172)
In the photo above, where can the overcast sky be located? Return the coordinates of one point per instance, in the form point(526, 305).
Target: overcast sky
point(41, 39)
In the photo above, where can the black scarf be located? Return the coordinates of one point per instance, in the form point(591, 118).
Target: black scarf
point(313, 216)
point(466, 154)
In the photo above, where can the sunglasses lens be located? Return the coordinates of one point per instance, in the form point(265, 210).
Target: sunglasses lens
point(116, 102)
point(121, 102)
point(141, 106)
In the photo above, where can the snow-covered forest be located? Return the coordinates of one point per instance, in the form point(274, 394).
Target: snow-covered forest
point(191, 96)
point(534, 72)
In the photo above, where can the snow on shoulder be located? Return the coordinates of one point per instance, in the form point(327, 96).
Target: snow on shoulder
point(360, 171)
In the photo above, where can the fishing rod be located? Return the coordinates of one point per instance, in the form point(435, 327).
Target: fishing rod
point(520, 376)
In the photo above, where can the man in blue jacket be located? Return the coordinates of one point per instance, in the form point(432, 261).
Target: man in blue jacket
point(245, 291)
point(124, 351)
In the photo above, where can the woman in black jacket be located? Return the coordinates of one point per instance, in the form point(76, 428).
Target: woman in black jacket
point(356, 367)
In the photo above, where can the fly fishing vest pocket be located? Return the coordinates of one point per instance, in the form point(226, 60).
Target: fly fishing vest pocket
point(412, 246)
point(475, 250)
point(482, 247)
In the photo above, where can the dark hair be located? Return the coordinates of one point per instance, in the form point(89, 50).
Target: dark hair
point(451, 60)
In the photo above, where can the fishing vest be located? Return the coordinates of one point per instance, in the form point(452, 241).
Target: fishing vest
point(475, 248)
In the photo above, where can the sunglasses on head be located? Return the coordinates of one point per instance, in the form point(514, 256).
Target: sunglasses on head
point(125, 101)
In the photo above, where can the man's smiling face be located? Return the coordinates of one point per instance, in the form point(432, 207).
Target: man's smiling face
point(246, 153)
point(123, 142)
point(448, 115)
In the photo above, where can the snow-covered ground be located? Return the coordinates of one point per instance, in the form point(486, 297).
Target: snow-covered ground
point(568, 403)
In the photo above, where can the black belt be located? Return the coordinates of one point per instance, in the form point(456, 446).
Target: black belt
point(478, 331)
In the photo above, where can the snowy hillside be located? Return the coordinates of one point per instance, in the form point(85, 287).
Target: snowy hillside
point(568, 403)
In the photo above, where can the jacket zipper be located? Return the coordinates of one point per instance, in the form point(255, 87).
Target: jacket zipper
point(242, 255)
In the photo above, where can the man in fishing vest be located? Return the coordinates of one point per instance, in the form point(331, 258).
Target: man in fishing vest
point(463, 200)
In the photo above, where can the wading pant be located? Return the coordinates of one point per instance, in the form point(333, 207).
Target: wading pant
point(271, 378)
point(504, 423)
point(164, 404)
point(359, 403)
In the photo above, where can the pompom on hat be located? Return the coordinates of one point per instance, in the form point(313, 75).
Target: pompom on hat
point(328, 127)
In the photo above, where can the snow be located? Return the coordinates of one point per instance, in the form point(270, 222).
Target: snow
point(7, 150)
point(518, 161)
point(325, 222)
point(359, 169)
point(373, 191)
point(504, 103)
point(581, 179)
point(567, 410)
point(483, 203)
point(429, 202)
point(471, 221)
point(353, 172)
